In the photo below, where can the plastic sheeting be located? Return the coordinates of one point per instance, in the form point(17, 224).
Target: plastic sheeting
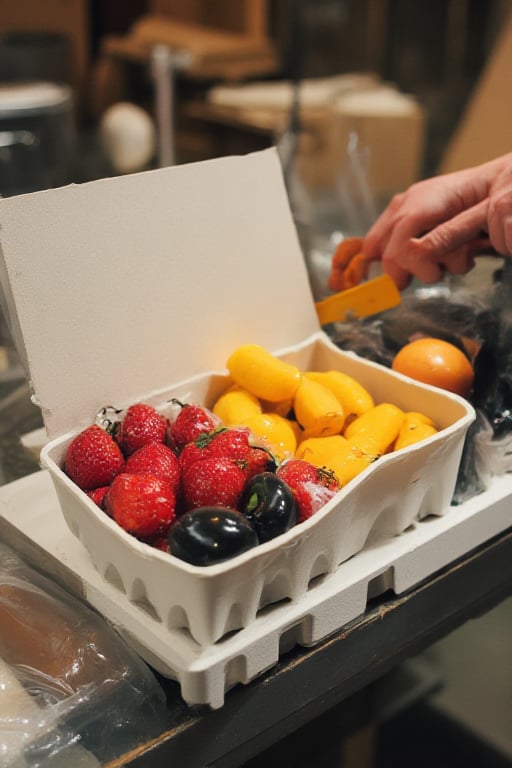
point(72, 693)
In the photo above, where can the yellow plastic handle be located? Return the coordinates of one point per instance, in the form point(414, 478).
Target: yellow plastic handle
point(366, 299)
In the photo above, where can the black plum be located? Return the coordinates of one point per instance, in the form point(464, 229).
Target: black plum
point(209, 535)
point(268, 503)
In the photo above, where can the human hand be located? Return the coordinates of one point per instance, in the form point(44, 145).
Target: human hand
point(499, 215)
point(439, 224)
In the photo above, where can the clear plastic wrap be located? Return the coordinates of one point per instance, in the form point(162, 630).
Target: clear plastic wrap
point(71, 691)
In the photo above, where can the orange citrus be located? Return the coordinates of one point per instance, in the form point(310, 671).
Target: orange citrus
point(436, 362)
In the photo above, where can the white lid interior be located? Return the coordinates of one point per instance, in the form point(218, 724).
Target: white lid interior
point(123, 286)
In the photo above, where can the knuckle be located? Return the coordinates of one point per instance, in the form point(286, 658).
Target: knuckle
point(430, 245)
point(500, 206)
point(396, 201)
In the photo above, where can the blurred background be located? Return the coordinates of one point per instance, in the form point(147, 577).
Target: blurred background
point(406, 72)
point(362, 98)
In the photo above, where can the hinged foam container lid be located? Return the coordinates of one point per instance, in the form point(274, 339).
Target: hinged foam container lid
point(120, 287)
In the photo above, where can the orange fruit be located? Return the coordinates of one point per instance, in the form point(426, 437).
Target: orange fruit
point(436, 362)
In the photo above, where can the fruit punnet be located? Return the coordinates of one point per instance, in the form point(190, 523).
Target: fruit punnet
point(205, 490)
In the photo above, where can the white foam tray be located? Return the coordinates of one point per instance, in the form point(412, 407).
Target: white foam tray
point(30, 521)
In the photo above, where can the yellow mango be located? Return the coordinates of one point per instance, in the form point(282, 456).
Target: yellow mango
point(283, 407)
point(255, 369)
point(415, 427)
point(317, 409)
point(376, 430)
point(235, 405)
point(354, 398)
point(336, 454)
point(318, 450)
point(275, 431)
point(416, 417)
point(297, 430)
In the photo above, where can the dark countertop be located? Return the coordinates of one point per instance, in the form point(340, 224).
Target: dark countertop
point(339, 673)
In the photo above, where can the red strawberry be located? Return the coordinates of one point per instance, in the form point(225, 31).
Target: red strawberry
point(311, 486)
point(155, 459)
point(98, 495)
point(190, 422)
point(257, 460)
point(141, 424)
point(224, 443)
point(232, 443)
point(161, 542)
point(213, 482)
point(144, 505)
point(328, 479)
point(93, 458)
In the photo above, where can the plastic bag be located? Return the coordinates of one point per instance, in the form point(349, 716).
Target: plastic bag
point(71, 691)
point(329, 210)
point(477, 319)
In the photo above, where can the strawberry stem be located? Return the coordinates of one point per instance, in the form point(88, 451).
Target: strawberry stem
point(110, 425)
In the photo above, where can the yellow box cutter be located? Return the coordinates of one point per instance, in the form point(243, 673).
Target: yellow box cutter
point(376, 295)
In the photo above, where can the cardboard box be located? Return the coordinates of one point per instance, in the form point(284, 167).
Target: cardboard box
point(138, 288)
point(66, 17)
point(483, 132)
point(200, 51)
point(248, 17)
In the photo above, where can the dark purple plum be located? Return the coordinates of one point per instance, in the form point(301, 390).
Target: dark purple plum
point(209, 535)
point(268, 503)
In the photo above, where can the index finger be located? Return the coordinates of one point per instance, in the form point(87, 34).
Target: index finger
point(453, 234)
point(405, 218)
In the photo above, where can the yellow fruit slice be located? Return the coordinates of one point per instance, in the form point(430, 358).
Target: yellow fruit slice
point(376, 430)
point(254, 368)
point(415, 427)
point(354, 398)
point(283, 407)
point(235, 405)
point(276, 432)
point(336, 454)
point(317, 409)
